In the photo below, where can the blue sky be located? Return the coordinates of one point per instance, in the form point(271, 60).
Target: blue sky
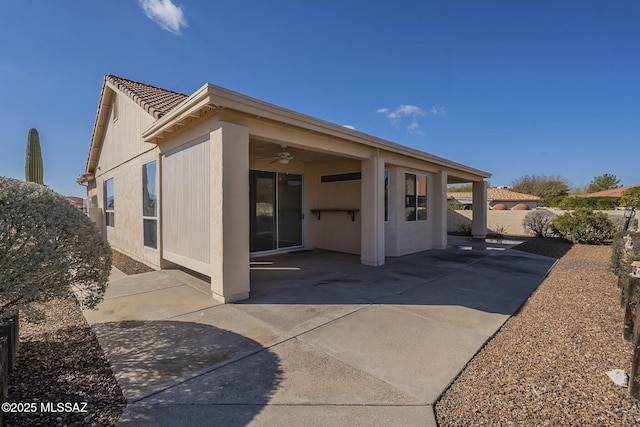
point(547, 87)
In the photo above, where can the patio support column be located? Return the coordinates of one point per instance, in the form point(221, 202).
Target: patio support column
point(229, 207)
point(479, 221)
point(372, 211)
point(439, 210)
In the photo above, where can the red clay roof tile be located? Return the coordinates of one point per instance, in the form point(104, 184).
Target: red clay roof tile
point(156, 101)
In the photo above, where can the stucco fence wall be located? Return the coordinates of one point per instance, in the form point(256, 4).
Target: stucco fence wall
point(508, 222)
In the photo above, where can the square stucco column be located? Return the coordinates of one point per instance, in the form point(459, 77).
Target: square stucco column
point(479, 221)
point(372, 212)
point(230, 212)
point(439, 210)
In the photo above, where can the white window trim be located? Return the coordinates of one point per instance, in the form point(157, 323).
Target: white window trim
point(155, 218)
point(416, 196)
point(107, 211)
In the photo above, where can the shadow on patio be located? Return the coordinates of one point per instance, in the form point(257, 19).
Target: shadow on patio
point(483, 276)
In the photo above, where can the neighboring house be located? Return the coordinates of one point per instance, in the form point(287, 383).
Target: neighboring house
point(497, 199)
point(78, 202)
point(209, 180)
point(615, 192)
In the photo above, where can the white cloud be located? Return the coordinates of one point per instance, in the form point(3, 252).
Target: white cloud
point(408, 116)
point(349, 127)
point(437, 111)
point(164, 13)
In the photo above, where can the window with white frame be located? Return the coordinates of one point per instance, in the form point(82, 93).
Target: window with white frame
point(149, 205)
point(415, 206)
point(109, 202)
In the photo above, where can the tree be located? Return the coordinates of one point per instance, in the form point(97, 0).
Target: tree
point(461, 188)
point(33, 169)
point(549, 188)
point(48, 248)
point(630, 197)
point(603, 182)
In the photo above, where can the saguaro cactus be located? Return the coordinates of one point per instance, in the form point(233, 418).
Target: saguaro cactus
point(33, 169)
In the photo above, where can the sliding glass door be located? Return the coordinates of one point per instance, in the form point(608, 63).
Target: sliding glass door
point(275, 201)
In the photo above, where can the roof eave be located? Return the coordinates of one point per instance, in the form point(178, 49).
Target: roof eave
point(99, 127)
point(210, 97)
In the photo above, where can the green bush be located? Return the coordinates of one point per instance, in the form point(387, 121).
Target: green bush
point(540, 223)
point(585, 226)
point(48, 248)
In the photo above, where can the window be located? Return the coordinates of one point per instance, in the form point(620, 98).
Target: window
point(109, 203)
point(149, 205)
point(415, 206)
point(386, 195)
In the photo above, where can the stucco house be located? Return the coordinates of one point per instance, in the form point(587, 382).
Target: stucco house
point(209, 180)
point(499, 199)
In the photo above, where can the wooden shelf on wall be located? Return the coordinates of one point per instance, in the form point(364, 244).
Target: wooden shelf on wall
point(351, 212)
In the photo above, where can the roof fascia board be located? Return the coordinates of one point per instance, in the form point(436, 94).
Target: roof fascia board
point(222, 98)
point(106, 95)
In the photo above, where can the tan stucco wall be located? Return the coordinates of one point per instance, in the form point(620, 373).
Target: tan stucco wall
point(335, 230)
point(123, 136)
point(401, 236)
point(121, 158)
point(127, 234)
point(509, 221)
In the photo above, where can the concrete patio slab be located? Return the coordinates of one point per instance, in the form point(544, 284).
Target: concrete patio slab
point(323, 340)
point(290, 373)
point(230, 318)
point(144, 415)
point(415, 354)
point(159, 304)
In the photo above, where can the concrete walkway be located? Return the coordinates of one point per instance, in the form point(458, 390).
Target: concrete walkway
point(323, 340)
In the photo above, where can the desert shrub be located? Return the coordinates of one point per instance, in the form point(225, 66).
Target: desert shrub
point(585, 226)
point(498, 232)
point(456, 207)
point(540, 223)
point(48, 248)
point(464, 229)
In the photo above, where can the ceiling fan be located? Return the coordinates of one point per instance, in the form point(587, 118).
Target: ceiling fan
point(283, 157)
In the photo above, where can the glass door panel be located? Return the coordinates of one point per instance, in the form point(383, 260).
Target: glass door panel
point(262, 201)
point(289, 210)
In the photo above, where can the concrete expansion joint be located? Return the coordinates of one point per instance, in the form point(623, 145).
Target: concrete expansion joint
point(141, 293)
point(230, 361)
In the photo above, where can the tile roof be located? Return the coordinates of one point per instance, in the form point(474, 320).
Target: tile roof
point(156, 101)
point(498, 194)
point(615, 192)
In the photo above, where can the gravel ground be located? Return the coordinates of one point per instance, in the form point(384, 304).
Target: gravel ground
point(60, 361)
point(547, 365)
